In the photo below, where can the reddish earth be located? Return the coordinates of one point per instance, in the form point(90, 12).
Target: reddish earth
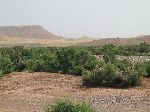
point(28, 92)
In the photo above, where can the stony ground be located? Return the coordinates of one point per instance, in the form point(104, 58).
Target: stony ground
point(28, 92)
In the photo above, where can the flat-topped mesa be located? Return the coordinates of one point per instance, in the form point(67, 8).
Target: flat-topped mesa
point(27, 31)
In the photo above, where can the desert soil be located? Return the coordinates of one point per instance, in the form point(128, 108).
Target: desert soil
point(29, 92)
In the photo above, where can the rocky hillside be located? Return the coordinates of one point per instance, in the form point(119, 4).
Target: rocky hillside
point(28, 31)
point(120, 41)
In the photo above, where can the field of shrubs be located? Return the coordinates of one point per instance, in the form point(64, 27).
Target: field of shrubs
point(81, 61)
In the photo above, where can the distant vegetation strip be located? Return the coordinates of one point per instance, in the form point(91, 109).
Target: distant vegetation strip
point(80, 61)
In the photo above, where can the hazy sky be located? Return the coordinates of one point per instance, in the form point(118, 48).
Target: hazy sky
point(76, 18)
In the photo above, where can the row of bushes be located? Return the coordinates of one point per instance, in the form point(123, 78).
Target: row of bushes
point(69, 60)
point(109, 72)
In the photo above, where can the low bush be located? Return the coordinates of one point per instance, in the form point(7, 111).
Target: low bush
point(43, 63)
point(146, 67)
point(111, 75)
point(69, 106)
point(6, 66)
point(17, 55)
point(130, 77)
point(74, 61)
point(101, 76)
point(109, 52)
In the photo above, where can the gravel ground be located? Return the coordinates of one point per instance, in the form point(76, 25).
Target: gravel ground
point(29, 92)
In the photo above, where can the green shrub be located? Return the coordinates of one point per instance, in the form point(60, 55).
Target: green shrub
point(109, 52)
point(103, 76)
point(146, 67)
point(131, 78)
point(128, 78)
point(6, 66)
point(92, 78)
point(43, 63)
point(69, 106)
point(36, 65)
point(76, 70)
point(123, 64)
point(111, 75)
point(73, 61)
point(18, 56)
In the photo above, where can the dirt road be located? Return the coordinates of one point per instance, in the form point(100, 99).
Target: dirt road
point(28, 92)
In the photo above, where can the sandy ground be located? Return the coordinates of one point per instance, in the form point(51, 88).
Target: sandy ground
point(29, 92)
point(13, 41)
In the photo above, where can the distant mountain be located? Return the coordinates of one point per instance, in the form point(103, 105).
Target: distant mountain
point(28, 31)
point(120, 41)
point(85, 37)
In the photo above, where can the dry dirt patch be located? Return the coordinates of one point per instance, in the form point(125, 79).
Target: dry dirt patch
point(28, 92)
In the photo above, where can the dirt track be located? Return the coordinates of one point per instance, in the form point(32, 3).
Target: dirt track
point(28, 92)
